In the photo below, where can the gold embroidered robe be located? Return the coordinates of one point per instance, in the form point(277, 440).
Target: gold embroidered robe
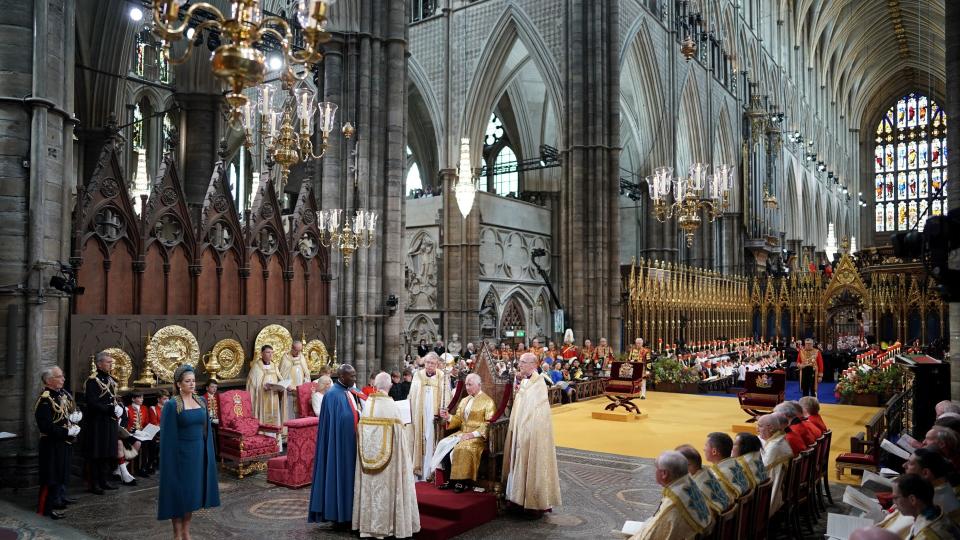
point(683, 513)
point(266, 403)
point(384, 497)
point(465, 459)
point(297, 370)
point(753, 465)
point(529, 456)
point(427, 396)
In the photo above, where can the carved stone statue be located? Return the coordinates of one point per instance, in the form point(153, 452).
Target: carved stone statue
point(454, 346)
point(422, 273)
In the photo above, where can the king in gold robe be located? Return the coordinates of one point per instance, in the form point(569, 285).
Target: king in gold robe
point(266, 402)
point(429, 392)
point(529, 456)
point(384, 497)
point(471, 421)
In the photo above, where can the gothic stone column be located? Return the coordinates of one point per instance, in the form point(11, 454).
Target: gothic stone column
point(200, 119)
point(460, 294)
point(590, 273)
point(37, 47)
point(952, 26)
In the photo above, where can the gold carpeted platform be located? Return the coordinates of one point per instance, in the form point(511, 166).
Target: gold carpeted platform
point(674, 419)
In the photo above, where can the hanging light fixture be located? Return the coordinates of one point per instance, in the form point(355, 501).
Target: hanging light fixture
point(238, 62)
point(696, 192)
point(830, 249)
point(465, 190)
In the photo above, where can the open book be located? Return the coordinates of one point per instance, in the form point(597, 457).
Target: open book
point(840, 526)
point(907, 442)
point(279, 386)
point(875, 482)
point(403, 408)
point(147, 433)
point(895, 450)
point(631, 528)
point(862, 504)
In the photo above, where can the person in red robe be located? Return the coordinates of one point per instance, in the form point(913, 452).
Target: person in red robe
point(810, 363)
point(569, 351)
point(811, 409)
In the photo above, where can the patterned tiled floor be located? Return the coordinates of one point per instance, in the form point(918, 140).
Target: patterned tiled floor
point(600, 492)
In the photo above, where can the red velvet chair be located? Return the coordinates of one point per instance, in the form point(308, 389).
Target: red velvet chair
point(244, 441)
point(295, 469)
point(304, 391)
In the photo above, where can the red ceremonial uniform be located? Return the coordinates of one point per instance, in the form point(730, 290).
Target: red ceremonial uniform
point(795, 441)
point(137, 417)
point(817, 420)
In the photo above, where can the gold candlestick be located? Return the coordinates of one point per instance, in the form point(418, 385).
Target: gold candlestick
point(147, 378)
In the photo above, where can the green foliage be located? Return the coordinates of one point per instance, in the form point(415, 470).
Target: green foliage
point(670, 370)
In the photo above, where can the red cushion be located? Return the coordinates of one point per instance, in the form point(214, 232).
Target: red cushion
point(860, 459)
point(279, 463)
point(246, 426)
point(259, 441)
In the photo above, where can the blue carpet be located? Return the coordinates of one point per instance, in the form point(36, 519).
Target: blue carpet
point(824, 391)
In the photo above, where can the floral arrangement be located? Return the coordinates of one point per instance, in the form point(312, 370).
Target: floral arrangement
point(669, 370)
point(878, 382)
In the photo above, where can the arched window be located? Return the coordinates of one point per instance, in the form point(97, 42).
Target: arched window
point(413, 181)
point(148, 60)
point(910, 164)
point(505, 177)
point(140, 143)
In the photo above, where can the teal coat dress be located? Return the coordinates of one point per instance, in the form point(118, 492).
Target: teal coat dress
point(188, 468)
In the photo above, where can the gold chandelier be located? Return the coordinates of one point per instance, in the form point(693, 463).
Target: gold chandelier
point(237, 62)
point(688, 195)
point(353, 236)
point(282, 120)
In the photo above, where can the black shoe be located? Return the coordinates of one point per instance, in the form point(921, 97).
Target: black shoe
point(143, 474)
point(108, 486)
point(446, 485)
point(459, 488)
point(53, 514)
point(58, 506)
point(131, 483)
point(643, 397)
point(69, 500)
point(96, 490)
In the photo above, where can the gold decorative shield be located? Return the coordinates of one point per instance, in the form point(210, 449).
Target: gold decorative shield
point(277, 337)
point(171, 347)
point(122, 367)
point(229, 354)
point(317, 355)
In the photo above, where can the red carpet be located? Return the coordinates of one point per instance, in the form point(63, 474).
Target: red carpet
point(445, 514)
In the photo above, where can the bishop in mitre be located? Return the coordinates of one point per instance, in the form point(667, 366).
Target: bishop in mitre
point(459, 453)
point(264, 395)
point(529, 456)
point(294, 367)
point(429, 393)
point(384, 499)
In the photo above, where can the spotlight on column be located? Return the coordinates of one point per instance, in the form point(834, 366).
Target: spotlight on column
point(136, 14)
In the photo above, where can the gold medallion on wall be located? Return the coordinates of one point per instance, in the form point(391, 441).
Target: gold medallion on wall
point(277, 337)
point(171, 347)
point(317, 355)
point(230, 356)
point(122, 367)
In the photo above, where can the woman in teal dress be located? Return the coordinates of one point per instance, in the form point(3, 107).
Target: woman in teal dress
point(188, 473)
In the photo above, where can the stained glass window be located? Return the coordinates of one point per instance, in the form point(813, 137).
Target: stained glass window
point(909, 177)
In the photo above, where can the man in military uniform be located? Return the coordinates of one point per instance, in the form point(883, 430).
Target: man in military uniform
point(57, 418)
point(101, 429)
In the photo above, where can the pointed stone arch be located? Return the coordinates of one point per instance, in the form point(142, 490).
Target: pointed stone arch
point(484, 90)
point(691, 147)
point(425, 123)
point(641, 100)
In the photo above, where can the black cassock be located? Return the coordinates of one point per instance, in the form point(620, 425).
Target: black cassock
point(100, 429)
point(51, 412)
